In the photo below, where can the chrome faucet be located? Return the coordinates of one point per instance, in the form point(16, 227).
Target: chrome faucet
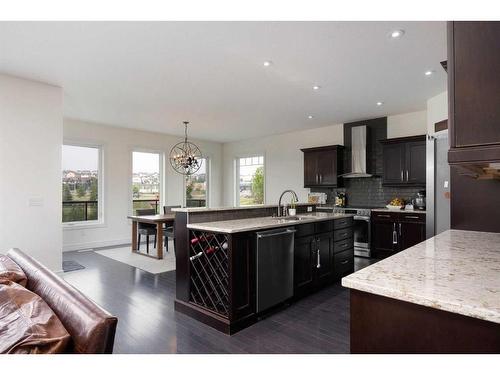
point(294, 194)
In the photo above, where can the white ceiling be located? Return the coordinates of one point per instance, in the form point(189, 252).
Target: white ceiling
point(154, 75)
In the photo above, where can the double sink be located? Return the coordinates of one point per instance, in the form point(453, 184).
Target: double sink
point(291, 219)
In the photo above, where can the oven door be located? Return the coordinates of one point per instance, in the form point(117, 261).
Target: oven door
point(362, 234)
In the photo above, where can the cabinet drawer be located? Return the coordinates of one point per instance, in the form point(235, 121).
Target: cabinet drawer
point(342, 234)
point(304, 230)
point(343, 223)
point(343, 263)
point(412, 217)
point(384, 216)
point(343, 245)
point(324, 226)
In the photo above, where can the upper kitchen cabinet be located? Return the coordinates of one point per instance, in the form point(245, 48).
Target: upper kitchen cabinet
point(473, 91)
point(322, 166)
point(404, 161)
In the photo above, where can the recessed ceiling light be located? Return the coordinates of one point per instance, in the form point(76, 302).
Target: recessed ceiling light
point(316, 87)
point(268, 63)
point(380, 103)
point(397, 33)
point(429, 72)
point(310, 117)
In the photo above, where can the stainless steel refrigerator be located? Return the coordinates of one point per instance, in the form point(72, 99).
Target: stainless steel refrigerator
point(438, 184)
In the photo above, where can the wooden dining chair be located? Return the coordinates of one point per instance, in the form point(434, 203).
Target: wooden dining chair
point(168, 231)
point(146, 229)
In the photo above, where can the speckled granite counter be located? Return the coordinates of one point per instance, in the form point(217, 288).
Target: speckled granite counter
point(258, 223)
point(455, 271)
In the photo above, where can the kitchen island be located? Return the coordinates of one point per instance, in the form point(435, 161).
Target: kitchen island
point(440, 296)
point(222, 263)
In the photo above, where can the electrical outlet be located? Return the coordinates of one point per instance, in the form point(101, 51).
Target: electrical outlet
point(309, 209)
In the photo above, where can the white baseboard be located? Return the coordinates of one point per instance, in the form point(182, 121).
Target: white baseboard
point(95, 244)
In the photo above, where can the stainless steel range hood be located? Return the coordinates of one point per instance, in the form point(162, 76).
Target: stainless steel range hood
point(359, 140)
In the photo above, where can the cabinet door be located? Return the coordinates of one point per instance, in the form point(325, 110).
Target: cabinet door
point(415, 163)
point(384, 238)
point(327, 170)
point(311, 168)
point(410, 234)
point(393, 164)
point(474, 83)
point(324, 273)
point(304, 256)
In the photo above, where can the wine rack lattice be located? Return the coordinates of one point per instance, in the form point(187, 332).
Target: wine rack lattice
point(209, 266)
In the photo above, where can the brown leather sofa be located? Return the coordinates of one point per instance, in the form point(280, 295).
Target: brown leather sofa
point(92, 329)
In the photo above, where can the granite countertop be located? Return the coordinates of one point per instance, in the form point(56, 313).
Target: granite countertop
point(455, 271)
point(229, 208)
point(258, 223)
point(399, 211)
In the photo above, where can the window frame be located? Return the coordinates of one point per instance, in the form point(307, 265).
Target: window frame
point(101, 219)
point(161, 158)
point(207, 171)
point(236, 178)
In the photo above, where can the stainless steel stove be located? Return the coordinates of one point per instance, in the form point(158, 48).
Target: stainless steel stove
point(362, 229)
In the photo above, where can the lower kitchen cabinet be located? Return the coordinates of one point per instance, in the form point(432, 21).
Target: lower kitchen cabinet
point(323, 255)
point(396, 231)
point(303, 273)
point(324, 259)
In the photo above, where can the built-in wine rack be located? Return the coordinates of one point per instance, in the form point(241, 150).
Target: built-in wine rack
point(209, 271)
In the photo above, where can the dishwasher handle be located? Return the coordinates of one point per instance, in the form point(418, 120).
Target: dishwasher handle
point(266, 235)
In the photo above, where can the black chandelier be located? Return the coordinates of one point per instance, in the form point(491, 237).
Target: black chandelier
point(185, 157)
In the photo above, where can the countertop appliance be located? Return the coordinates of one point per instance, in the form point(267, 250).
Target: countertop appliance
point(274, 267)
point(419, 201)
point(361, 230)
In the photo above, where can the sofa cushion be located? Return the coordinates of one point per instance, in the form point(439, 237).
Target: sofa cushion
point(27, 324)
point(11, 271)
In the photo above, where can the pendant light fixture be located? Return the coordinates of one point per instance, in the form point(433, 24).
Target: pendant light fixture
point(185, 157)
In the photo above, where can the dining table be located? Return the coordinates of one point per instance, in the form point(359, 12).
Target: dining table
point(158, 220)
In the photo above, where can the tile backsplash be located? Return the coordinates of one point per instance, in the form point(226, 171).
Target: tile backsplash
point(369, 192)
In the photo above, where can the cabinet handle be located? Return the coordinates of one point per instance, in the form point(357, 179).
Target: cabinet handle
point(394, 235)
point(317, 179)
point(318, 259)
point(399, 229)
point(384, 215)
point(320, 178)
point(407, 175)
point(344, 261)
point(402, 178)
point(412, 217)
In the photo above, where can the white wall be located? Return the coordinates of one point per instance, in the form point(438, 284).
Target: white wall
point(118, 144)
point(30, 169)
point(407, 124)
point(284, 162)
point(437, 110)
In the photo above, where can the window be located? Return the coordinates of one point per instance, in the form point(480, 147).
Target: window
point(81, 184)
point(197, 186)
point(250, 180)
point(146, 177)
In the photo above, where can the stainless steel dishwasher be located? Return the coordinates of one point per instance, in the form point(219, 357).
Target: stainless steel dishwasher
point(274, 267)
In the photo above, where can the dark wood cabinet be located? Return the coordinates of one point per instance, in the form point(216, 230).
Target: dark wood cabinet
point(393, 164)
point(396, 231)
point(384, 239)
point(324, 261)
point(474, 80)
point(404, 161)
point(322, 166)
point(304, 258)
point(323, 253)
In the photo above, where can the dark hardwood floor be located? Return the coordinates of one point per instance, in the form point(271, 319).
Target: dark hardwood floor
point(147, 322)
